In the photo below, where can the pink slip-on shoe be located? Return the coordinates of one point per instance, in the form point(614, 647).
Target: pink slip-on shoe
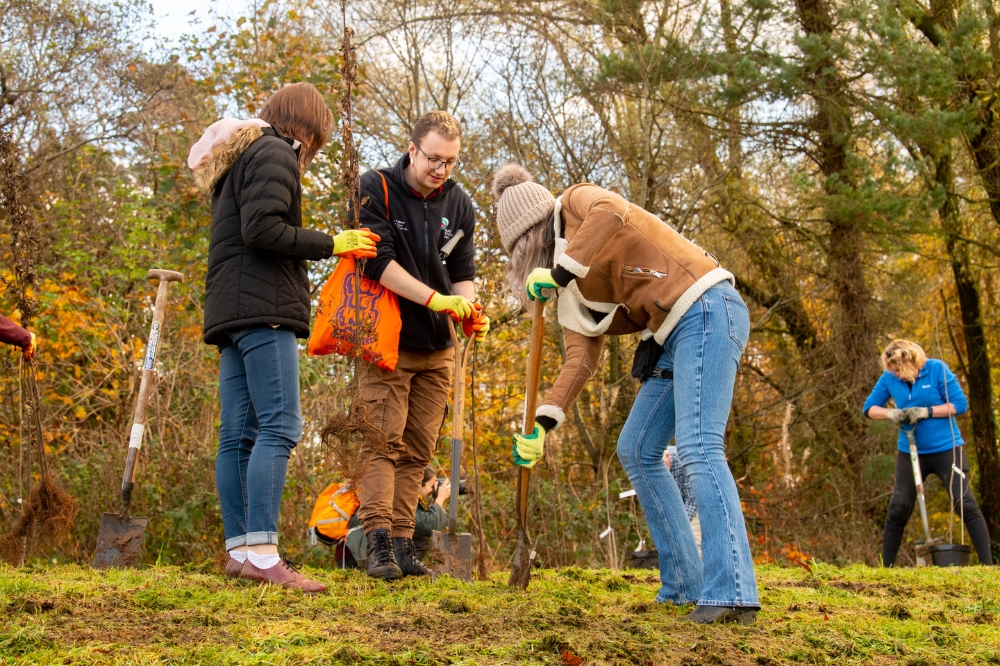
point(285, 574)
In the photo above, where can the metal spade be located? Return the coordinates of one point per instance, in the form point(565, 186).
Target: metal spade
point(119, 542)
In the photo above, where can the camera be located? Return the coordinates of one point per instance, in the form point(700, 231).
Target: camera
point(462, 488)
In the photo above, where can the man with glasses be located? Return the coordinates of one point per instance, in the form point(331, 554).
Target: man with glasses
point(426, 256)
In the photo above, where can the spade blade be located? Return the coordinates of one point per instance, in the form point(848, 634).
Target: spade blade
point(524, 559)
point(452, 554)
point(119, 541)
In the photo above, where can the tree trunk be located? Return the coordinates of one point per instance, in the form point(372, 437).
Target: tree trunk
point(984, 429)
point(833, 132)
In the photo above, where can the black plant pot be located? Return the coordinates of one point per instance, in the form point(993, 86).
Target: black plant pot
point(950, 554)
point(644, 559)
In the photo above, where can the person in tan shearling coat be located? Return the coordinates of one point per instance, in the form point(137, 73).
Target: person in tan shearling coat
point(617, 270)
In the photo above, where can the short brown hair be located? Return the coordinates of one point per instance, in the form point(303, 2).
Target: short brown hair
point(429, 473)
point(441, 122)
point(299, 111)
point(905, 357)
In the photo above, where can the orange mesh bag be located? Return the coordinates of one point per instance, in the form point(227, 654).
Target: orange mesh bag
point(333, 511)
point(341, 302)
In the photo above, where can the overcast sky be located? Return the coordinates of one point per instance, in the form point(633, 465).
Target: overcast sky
point(174, 17)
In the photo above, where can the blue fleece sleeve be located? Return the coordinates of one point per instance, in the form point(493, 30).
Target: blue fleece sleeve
point(879, 396)
point(955, 395)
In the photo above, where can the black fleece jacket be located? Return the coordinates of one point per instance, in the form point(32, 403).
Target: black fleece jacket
point(257, 254)
point(413, 232)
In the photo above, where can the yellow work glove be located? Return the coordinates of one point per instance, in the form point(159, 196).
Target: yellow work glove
point(538, 279)
point(528, 449)
point(355, 243)
point(456, 307)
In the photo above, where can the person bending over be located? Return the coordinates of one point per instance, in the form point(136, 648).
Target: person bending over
point(619, 270)
point(927, 396)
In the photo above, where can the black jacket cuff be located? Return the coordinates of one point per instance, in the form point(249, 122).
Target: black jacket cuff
point(562, 277)
point(546, 422)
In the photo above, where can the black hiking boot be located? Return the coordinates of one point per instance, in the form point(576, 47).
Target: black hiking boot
point(720, 614)
point(381, 562)
point(406, 557)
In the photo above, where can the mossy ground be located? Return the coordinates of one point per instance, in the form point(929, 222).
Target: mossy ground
point(854, 615)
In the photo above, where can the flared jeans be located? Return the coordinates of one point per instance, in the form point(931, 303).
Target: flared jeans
point(703, 352)
point(260, 425)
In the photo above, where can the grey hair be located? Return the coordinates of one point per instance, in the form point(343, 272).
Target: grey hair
point(534, 249)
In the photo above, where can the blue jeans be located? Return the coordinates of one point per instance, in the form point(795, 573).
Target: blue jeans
point(260, 425)
point(704, 352)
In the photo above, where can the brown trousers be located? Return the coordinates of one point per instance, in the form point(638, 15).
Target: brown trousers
point(409, 405)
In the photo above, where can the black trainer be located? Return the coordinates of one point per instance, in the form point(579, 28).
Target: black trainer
point(721, 614)
point(406, 557)
point(381, 562)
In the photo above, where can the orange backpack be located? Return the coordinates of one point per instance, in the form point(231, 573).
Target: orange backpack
point(347, 294)
point(333, 511)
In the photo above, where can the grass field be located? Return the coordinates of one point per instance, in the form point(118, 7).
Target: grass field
point(855, 615)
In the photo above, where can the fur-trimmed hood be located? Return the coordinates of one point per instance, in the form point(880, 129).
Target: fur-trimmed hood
point(219, 148)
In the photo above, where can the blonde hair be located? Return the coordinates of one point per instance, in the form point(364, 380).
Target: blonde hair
point(534, 249)
point(299, 111)
point(905, 357)
point(441, 122)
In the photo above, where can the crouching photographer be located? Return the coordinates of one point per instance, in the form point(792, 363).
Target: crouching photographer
point(430, 516)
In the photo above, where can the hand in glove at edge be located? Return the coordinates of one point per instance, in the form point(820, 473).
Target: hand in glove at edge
point(456, 307)
point(538, 279)
point(31, 350)
point(528, 449)
point(478, 324)
point(356, 244)
point(897, 416)
point(914, 414)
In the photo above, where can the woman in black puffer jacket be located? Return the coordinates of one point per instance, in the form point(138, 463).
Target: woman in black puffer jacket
point(256, 305)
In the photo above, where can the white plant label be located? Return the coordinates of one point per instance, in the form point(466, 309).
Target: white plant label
point(135, 439)
point(626, 493)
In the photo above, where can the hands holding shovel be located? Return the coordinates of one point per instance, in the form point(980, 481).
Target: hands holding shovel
point(909, 415)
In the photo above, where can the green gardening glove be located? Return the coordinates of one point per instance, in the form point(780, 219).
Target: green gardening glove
point(538, 279)
point(528, 449)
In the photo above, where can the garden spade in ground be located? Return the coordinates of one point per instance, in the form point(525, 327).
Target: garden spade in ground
point(524, 556)
point(451, 551)
point(932, 551)
point(120, 539)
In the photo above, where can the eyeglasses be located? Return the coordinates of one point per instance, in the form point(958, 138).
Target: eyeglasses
point(435, 164)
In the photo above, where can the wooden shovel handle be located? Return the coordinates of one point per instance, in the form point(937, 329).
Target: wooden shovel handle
point(165, 275)
point(530, 403)
point(145, 382)
point(457, 421)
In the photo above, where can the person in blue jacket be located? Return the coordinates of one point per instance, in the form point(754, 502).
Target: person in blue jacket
point(927, 396)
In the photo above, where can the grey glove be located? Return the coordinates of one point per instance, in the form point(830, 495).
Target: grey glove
point(914, 414)
point(897, 416)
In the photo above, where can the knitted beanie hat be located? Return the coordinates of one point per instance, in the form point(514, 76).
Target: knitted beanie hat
point(521, 203)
